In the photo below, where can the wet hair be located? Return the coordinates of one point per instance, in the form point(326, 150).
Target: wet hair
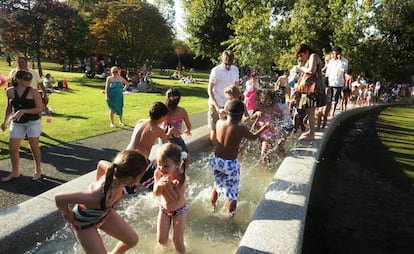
point(227, 56)
point(234, 91)
point(173, 97)
point(268, 93)
point(158, 110)
point(235, 108)
point(127, 163)
point(173, 152)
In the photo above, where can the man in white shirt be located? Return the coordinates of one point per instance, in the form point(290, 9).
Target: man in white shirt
point(36, 82)
point(337, 67)
point(221, 76)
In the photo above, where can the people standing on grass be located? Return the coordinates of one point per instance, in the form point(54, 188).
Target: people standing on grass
point(221, 76)
point(115, 87)
point(24, 106)
point(170, 185)
point(94, 208)
point(224, 162)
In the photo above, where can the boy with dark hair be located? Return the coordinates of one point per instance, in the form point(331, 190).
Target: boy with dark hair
point(224, 162)
point(145, 133)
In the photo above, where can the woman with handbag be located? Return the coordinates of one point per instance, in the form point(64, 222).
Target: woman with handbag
point(310, 85)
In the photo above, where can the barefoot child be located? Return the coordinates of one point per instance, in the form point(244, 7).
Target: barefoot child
point(170, 186)
point(89, 210)
point(224, 162)
point(143, 137)
point(175, 118)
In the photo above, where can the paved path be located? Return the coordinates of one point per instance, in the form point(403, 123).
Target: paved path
point(65, 162)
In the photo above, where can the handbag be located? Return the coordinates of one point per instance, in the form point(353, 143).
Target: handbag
point(308, 83)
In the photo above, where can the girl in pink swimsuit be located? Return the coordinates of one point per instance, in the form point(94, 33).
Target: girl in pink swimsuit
point(175, 118)
point(269, 112)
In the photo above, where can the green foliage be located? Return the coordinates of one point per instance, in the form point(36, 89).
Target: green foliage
point(130, 31)
point(47, 28)
point(207, 24)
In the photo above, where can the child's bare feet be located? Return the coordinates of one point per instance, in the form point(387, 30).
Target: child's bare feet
point(10, 177)
point(37, 176)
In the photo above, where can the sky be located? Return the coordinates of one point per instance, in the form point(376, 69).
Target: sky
point(179, 22)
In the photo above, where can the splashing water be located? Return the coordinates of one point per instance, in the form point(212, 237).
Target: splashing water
point(206, 232)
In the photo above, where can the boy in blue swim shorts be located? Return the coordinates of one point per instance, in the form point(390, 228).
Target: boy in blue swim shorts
point(224, 162)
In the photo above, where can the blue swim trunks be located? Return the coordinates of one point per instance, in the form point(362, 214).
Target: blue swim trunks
point(226, 176)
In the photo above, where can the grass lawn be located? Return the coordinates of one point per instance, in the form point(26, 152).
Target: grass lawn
point(396, 131)
point(81, 111)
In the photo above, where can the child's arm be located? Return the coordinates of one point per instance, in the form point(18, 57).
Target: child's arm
point(101, 168)
point(166, 136)
point(64, 201)
point(254, 135)
point(187, 122)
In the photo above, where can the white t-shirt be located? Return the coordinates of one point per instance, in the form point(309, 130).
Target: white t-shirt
point(222, 78)
point(336, 72)
point(35, 77)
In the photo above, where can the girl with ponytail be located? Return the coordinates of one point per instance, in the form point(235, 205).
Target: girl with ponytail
point(89, 210)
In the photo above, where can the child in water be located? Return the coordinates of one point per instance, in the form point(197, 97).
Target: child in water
point(89, 210)
point(269, 113)
point(170, 186)
point(224, 162)
point(175, 117)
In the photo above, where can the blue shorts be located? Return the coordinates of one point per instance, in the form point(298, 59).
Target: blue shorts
point(226, 176)
point(32, 129)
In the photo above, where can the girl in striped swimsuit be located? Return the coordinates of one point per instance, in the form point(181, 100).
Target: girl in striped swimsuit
point(89, 210)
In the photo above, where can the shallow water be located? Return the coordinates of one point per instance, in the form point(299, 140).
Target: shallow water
point(206, 232)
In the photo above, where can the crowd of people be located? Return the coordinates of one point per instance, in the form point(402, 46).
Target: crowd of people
point(300, 99)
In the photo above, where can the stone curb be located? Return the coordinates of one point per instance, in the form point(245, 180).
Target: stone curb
point(279, 221)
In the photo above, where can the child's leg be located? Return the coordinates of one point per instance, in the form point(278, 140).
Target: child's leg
point(263, 153)
point(213, 198)
point(179, 222)
point(231, 207)
point(163, 228)
point(117, 227)
point(90, 240)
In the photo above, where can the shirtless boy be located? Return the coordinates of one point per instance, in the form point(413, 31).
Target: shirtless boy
point(145, 133)
point(224, 162)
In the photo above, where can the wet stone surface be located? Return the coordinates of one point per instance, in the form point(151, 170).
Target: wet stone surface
point(359, 203)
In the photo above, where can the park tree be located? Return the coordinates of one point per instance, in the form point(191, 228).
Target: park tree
point(207, 24)
point(394, 23)
point(42, 28)
point(130, 31)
